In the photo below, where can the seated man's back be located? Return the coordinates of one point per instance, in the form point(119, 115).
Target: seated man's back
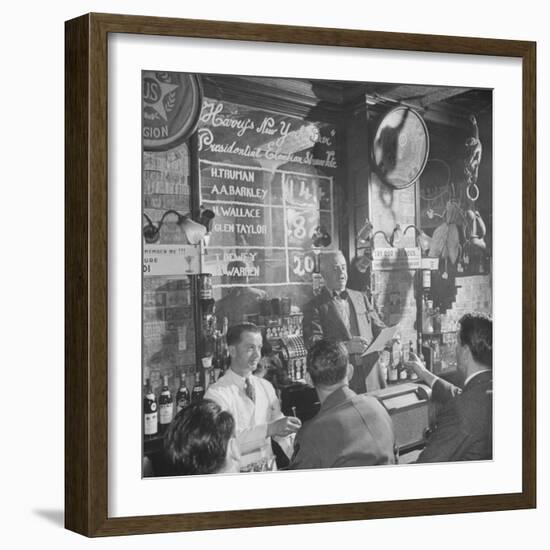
point(349, 430)
point(464, 426)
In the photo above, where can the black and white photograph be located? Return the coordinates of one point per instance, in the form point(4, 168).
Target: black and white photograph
point(287, 269)
point(317, 286)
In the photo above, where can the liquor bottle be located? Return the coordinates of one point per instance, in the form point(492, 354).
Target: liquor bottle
point(150, 411)
point(316, 277)
point(205, 286)
point(403, 373)
point(436, 322)
point(182, 396)
point(393, 375)
point(427, 326)
point(166, 406)
point(426, 280)
point(412, 374)
point(212, 377)
point(209, 349)
point(198, 389)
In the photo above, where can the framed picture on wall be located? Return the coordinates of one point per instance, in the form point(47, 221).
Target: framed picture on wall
point(215, 173)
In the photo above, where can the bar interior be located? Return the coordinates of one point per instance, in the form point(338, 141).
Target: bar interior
point(249, 182)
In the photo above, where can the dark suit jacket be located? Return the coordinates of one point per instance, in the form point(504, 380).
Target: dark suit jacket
point(349, 430)
point(464, 425)
point(323, 320)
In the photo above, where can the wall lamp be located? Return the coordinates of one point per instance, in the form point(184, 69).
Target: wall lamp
point(194, 231)
point(364, 235)
point(423, 241)
point(321, 237)
point(394, 239)
point(365, 241)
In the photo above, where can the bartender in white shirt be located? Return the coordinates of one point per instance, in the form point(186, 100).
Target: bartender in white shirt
point(252, 400)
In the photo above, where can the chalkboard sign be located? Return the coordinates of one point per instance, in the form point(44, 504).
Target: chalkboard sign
point(270, 217)
point(269, 180)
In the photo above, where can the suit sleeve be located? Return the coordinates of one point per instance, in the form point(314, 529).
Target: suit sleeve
point(443, 391)
point(444, 444)
point(285, 442)
point(452, 439)
point(305, 456)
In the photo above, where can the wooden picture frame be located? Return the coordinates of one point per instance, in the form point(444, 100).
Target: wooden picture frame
point(86, 278)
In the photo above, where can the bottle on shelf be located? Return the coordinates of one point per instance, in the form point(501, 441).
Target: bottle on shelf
point(206, 298)
point(166, 406)
point(316, 277)
point(403, 356)
point(205, 286)
point(383, 361)
point(212, 377)
point(436, 320)
point(150, 410)
point(393, 366)
point(427, 326)
point(198, 389)
point(426, 280)
point(412, 374)
point(182, 396)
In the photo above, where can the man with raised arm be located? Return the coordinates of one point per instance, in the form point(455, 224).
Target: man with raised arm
point(464, 424)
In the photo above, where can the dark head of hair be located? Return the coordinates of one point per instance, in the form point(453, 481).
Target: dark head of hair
point(327, 362)
point(235, 332)
point(196, 441)
point(476, 332)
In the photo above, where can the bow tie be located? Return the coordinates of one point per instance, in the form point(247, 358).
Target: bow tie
point(342, 295)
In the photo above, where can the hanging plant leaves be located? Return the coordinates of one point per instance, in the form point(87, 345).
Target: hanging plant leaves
point(453, 214)
point(439, 239)
point(453, 243)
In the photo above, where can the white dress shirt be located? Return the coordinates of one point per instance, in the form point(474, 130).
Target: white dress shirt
point(251, 418)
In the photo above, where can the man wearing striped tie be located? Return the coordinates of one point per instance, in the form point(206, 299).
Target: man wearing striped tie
point(252, 400)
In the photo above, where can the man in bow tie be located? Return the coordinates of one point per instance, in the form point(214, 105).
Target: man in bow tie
point(344, 315)
point(252, 400)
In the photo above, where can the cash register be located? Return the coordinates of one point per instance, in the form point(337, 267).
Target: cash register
point(410, 409)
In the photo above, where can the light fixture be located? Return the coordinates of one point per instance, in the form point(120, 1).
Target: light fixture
point(421, 238)
point(194, 232)
point(364, 235)
point(206, 218)
point(321, 237)
point(379, 232)
point(150, 231)
point(395, 238)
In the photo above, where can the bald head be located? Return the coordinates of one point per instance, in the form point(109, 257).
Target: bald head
point(334, 270)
